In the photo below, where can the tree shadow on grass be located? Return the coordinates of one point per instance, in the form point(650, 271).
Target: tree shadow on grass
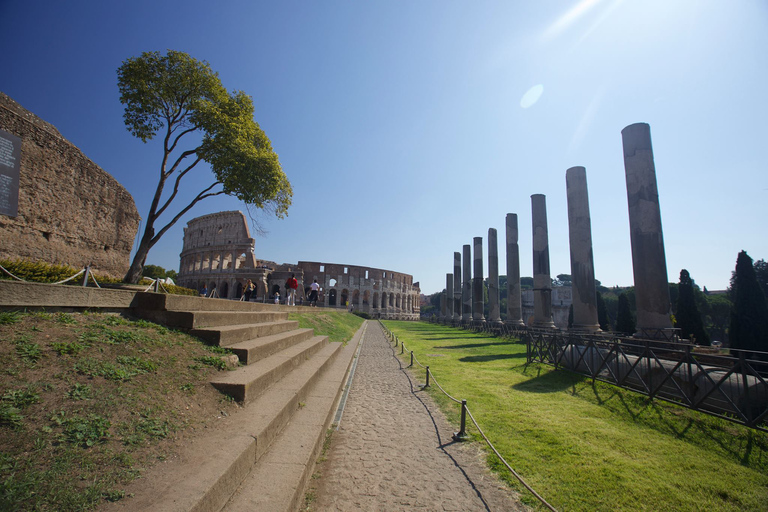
point(549, 382)
point(750, 450)
point(490, 357)
point(478, 345)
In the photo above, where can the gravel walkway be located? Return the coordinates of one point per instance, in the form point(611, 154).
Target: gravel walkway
point(393, 450)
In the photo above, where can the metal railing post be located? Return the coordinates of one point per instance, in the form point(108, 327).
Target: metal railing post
point(427, 384)
point(461, 435)
point(411, 358)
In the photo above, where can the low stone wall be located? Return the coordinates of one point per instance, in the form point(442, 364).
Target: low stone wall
point(16, 295)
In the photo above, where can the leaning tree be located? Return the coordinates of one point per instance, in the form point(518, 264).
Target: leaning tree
point(201, 123)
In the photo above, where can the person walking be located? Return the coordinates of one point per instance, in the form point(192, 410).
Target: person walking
point(315, 288)
point(291, 285)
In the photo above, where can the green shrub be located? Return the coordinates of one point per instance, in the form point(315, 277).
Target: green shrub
point(40, 272)
point(362, 314)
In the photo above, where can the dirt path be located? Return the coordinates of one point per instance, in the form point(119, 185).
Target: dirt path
point(393, 450)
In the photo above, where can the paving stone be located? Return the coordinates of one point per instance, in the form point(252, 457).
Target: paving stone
point(393, 449)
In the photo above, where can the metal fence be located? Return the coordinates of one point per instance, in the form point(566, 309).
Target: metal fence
point(732, 385)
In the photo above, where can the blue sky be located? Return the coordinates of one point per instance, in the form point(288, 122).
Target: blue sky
point(401, 128)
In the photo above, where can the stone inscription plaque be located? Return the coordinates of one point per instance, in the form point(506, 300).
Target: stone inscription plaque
point(10, 158)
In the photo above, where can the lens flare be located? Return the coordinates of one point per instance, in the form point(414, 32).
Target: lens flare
point(531, 96)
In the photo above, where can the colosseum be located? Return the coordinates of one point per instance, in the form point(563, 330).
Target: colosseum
point(218, 254)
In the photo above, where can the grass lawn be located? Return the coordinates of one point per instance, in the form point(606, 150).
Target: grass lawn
point(588, 446)
point(337, 325)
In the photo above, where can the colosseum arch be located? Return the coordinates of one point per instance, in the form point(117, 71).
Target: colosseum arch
point(371, 290)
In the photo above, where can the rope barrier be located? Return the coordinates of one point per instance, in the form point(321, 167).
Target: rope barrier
point(13, 276)
point(461, 435)
point(64, 280)
point(520, 479)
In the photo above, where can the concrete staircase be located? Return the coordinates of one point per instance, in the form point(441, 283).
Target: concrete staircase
point(290, 384)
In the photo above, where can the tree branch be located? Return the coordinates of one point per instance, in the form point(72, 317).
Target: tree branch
point(179, 160)
point(202, 195)
point(179, 136)
point(176, 186)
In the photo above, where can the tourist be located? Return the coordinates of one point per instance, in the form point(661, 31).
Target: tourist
point(249, 288)
point(291, 285)
point(204, 291)
point(277, 297)
point(313, 294)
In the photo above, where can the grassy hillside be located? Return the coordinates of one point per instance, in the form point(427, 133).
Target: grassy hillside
point(337, 325)
point(590, 446)
point(89, 400)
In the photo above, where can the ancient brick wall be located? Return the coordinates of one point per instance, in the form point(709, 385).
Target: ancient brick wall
point(70, 210)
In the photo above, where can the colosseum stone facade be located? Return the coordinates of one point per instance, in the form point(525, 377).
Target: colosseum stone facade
point(218, 253)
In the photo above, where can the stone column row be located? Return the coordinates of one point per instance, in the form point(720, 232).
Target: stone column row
point(648, 255)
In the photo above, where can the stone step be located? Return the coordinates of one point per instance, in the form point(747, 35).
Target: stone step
point(253, 350)
point(279, 479)
point(208, 471)
point(224, 336)
point(165, 302)
point(247, 383)
point(202, 319)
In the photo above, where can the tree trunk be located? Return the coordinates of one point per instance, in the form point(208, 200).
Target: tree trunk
point(137, 265)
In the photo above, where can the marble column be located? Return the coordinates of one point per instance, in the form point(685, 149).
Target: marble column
point(582, 262)
point(477, 281)
point(457, 286)
point(542, 282)
point(494, 314)
point(466, 288)
point(449, 297)
point(514, 299)
point(649, 262)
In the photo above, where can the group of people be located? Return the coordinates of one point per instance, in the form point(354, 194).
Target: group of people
point(291, 285)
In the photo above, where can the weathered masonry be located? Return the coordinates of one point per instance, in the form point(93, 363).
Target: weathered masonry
point(218, 253)
point(56, 205)
point(380, 293)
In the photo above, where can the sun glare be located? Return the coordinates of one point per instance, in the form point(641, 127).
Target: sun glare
point(531, 96)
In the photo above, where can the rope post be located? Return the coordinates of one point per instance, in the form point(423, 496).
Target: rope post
point(461, 435)
point(411, 358)
point(157, 285)
point(85, 278)
point(402, 348)
point(427, 384)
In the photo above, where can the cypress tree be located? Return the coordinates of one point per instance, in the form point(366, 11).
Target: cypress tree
point(749, 314)
point(688, 318)
point(625, 321)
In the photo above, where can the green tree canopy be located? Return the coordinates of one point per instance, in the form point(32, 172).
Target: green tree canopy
point(625, 321)
point(182, 99)
point(688, 317)
point(602, 313)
